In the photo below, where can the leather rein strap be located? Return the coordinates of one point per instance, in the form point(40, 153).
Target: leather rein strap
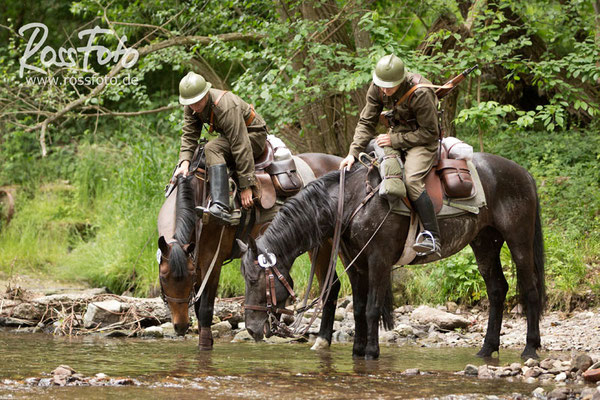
point(271, 293)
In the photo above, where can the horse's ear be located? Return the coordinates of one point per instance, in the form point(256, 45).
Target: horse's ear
point(189, 248)
point(252, 244)
point(162, 245)
point(243, 246)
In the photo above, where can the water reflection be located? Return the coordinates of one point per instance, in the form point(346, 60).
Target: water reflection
point(248, 369)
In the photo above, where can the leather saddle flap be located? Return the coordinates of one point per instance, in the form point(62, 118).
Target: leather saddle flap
point(265, 159)
point(267, 190)
point(433, 185)
point(285, 177)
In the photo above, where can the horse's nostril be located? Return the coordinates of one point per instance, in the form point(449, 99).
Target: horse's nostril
point(181, 329)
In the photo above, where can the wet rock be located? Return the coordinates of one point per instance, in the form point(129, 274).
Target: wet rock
point(483, 372)
point(388, 337)
point(124, 382)
point(515, 366)
point(231, 311)
point(589, 393)
point(533, 372)
point(350, 308)
point(404, 330)
point(222, 328)
point(153, 332)
point(340, 314)
point(561, 377)
point(168, 329)
point(428, 315)
point(102, 313)
point(341, 337)
point(117, 333)
point(581, 362)
point(32, 381)
point(28, 311)
point(532, 362)
point(471, 370)
point(547, 363)
point(242, 336)
point(530, 380)
point(451, 307)
point(404, 309)
point(412, 372)
point(45, 382)
point(561, 393)
point(343, 302)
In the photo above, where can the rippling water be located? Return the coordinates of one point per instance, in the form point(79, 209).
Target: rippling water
point(177, 369)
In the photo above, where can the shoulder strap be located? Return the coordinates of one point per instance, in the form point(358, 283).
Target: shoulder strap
point(212, 111)
point(416, 85)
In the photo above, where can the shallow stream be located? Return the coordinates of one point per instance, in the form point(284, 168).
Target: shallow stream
point(177, 369)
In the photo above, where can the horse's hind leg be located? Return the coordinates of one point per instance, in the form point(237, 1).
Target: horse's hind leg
point(486, 247)
point(522, 254)
point(328, 315)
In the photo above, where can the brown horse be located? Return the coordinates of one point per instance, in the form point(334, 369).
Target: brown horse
point(180, 277)
point(512, 216)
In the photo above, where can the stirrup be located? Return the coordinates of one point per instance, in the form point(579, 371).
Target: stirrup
point(426, 244)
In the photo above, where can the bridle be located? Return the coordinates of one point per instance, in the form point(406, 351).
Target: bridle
point(179, 300)
point(268, 262)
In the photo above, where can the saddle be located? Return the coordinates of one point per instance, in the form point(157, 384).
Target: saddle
point(275, 177)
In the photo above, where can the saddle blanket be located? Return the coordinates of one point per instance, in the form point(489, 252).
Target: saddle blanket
point(454, 207)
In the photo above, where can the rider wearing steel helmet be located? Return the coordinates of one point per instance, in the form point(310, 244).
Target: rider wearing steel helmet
point(242, 137)
point(416, 134)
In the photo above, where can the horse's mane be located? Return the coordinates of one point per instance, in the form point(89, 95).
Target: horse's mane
point(185, 220)
point(303, 221)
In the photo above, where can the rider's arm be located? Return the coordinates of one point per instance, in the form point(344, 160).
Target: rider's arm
point(192, 129)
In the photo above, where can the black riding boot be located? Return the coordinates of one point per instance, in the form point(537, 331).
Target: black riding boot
point(428, 241)
point(219, 191)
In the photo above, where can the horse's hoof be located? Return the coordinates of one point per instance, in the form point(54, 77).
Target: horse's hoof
point(371, 356)
point(320, 344)
point(527, 354)
point(486, 351)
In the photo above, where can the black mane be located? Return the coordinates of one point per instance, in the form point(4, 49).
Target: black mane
point(303, 221)
point(185, 220)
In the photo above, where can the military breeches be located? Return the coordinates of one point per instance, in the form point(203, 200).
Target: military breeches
point(419, 161)
point(218, 150)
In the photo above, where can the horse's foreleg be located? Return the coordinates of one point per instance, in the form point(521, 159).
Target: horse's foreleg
point(360, 287)
point(206, 310)
point(379, 301)
point(328, 315)
point(487, 246)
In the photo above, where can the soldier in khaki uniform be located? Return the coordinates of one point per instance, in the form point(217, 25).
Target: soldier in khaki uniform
point(242, 137)
point(416, 134)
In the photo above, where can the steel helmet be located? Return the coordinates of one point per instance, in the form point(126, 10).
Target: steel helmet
point(389, 72)
point(192, 88)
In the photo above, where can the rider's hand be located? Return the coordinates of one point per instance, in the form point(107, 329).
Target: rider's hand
point(347, 162)
point(246, 195)
point(383, 140)
point(182, 169)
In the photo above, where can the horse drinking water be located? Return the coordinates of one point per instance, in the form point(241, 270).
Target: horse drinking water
point(188, 248)
point(512, 215)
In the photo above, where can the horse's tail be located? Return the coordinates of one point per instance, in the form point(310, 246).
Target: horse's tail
point(387, 311)
point(539, 258)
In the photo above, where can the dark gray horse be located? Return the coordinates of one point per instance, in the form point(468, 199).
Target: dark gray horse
point(512, 216)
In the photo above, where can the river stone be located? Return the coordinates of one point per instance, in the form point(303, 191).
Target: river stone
point(404, 330)
point(561, 377)
point(515, 366)
point(483, 372)
point(153, 332)
point(340, 314)
point(428, 315)
point(561, 393)
point(547, 363)
point(532, 362)
point(533, 372)
point(451, 307)
point(581, 362)
point(539, 392)
point(242, 336)
point(102, 313)
point(221, 328)
point(388, 337)
point(28, 311)
point(471, 370)
point(530, 380)
point(412, 371)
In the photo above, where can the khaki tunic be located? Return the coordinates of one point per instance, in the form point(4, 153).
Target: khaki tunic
point(236, 144)
point(417, 133)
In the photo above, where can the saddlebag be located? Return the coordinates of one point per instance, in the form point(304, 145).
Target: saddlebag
point(285, 178)
point(456, 178)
